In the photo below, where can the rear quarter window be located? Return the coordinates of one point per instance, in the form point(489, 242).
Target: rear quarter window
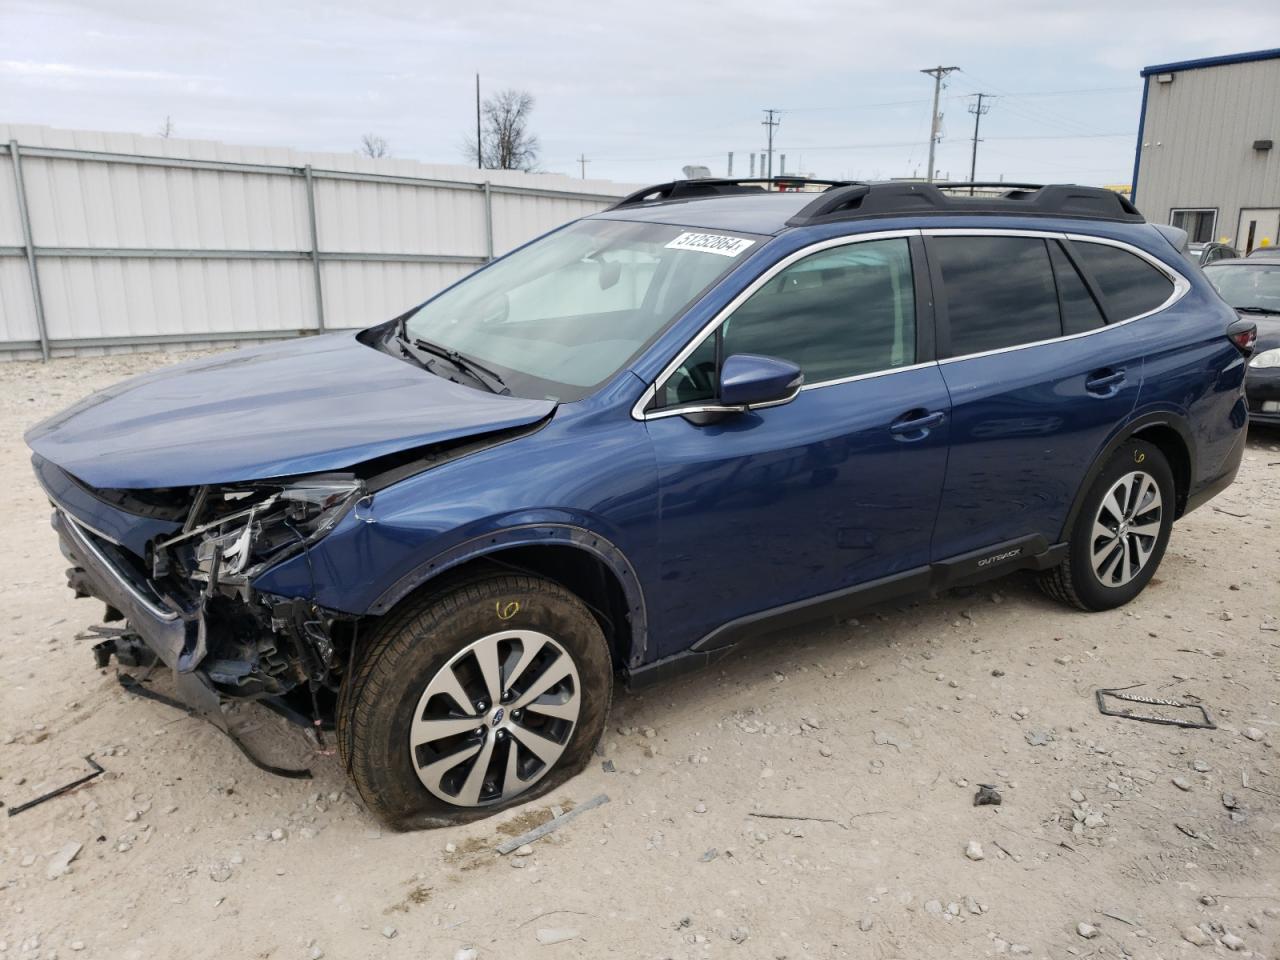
point(1130, 285)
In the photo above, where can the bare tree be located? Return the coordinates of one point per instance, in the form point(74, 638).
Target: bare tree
point(166, 128)
point(505, 140)
point(372, 145)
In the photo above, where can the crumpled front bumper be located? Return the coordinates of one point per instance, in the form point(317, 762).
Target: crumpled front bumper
point(172, 633)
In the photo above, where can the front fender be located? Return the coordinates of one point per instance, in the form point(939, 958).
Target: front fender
point(530, 534)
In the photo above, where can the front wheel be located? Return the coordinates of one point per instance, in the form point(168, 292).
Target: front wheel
point(1120, 534)
point(472, 700)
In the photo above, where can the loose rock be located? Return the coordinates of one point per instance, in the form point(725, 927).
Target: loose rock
point(1182, 783)
point(1087, 930)
point(1251, 733)
point(1232, 942)
point(973, 850)
point(1194, 935)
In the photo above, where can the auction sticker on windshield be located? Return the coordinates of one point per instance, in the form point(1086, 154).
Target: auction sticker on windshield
point(710, 243)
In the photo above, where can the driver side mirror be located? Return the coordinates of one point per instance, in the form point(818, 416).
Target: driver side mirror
point(747, 381)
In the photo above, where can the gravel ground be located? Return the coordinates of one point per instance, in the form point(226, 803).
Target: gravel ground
point(868, 737)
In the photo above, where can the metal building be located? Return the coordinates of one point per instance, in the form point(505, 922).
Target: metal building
point(1208, 156)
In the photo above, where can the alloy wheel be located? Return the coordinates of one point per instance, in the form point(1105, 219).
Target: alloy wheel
point(1126, 528)
point(495, 718)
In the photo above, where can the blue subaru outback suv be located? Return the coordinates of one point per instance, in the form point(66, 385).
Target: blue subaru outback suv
point(716, 409)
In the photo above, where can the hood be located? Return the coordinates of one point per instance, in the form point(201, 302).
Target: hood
point(302, 406)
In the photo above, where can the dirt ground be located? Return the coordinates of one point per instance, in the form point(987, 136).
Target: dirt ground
point(879, 729)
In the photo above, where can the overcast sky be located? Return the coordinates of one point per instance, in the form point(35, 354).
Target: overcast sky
point(640, 89)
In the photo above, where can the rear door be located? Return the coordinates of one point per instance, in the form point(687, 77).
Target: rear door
point(1038, 378)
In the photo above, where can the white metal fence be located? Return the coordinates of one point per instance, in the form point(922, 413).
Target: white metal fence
point(112, 241)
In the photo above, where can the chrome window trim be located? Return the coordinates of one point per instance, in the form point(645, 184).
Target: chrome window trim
point(721, 408)
point(82, 539)
point(1181, 285)
point(637, 409)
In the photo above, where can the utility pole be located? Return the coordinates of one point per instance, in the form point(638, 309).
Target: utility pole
point(479, 149)
point(582, 162)
point(730, 173)
point(977, 109)
point(935, 125)
point(769, 123)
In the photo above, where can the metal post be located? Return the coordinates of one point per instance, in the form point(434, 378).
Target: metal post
point(315, 246)
point(25, 216)
point(488, 221)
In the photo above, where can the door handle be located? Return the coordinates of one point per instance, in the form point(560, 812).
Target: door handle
point(1104, 382)
point(912, 423)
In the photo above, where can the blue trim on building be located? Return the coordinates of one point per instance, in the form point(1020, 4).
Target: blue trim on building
point(1137, 154)
point(1222, 61)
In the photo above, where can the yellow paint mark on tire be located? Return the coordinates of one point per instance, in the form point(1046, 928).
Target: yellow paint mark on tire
point(506, 610)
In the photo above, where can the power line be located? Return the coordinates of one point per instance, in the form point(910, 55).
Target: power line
point(977, 109)
point(936, 121)
point(769, 123)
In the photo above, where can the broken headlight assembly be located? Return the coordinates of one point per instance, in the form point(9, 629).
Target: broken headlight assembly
point(233, 532)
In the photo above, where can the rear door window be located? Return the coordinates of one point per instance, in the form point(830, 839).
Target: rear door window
point(999, 291)
point(1130, 285)
point(1079, 310)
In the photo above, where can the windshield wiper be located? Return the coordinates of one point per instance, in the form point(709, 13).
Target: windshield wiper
point(476, 371)
point(1259, 309)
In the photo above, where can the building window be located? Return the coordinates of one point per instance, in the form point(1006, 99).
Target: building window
point(1199, 224)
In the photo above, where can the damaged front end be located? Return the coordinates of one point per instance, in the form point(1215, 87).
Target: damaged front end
point(178, 565)
point(251, 644)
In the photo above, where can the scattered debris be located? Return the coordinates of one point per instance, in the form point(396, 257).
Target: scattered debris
point(608, 767)
point(886, 740)
point(549, 935)
point(466, 953)
point(708, 856)
point(973, 850)
point(987, 795)
point(788, 816)
point(1039, 738)
point(65, 788)
point(1230, 513)
point(555, 823)
point(1205, 723)
point(60, 862)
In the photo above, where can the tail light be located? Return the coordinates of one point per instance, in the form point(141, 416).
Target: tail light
point(1244, 335)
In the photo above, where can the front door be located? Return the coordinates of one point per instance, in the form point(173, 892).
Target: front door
point(1259, 227)
point(836, 488)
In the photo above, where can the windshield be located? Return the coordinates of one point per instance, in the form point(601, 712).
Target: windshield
point(560, 316)
point(1255, 285)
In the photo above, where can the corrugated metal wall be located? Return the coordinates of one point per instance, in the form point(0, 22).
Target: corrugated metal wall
point(1197, 143)
point(140, 240)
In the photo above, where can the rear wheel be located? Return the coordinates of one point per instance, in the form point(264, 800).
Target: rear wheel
point(1120, 534)
point(472, 700)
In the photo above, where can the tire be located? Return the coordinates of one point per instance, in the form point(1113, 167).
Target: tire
point(1100, 573)
point(424, 657)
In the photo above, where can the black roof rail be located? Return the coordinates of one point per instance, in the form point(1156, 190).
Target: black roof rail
point(854, 201)
point(715, 186)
